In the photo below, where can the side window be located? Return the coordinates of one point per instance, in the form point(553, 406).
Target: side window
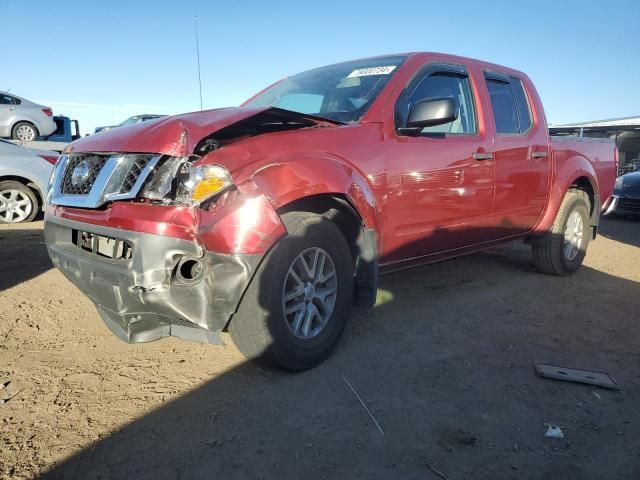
point(503, 106)
point(453, 86)
point(522, 104)
point(511, 109)
point(6, 100)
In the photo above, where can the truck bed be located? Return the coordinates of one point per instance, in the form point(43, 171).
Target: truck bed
point(601, 152)
point(43, 145)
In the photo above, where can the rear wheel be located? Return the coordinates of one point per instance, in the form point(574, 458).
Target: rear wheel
point(563, 249)
point(24, 131)
point(18, 203)
point(298, 303)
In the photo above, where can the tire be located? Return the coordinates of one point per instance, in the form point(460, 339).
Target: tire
point(262, 331)
point(18, 203)
point(552, 255)
point(24, 131)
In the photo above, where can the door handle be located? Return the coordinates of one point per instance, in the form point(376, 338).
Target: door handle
point(482, 156)
point(539, 155)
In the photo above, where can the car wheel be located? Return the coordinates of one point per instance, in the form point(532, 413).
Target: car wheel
point(18, 203)
point(299, 300)
point(25, 132)
point(562, 250)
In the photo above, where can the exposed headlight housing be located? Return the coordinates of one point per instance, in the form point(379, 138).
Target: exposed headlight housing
point(177, 182)
point(162, 181)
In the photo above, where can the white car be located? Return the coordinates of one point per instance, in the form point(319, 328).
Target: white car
point(24, 174)
point(23, 120)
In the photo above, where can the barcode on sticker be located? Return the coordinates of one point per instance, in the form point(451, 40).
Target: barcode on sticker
point(364, 72)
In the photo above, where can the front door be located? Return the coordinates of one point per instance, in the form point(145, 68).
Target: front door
point(441, 181)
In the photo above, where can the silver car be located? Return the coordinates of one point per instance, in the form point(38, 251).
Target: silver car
point(23, 120)
point(24, 174)
point(130, 121)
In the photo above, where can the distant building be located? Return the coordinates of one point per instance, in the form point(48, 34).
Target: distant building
point(625, 131)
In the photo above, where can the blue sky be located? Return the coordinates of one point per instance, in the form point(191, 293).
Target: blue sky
point(103, 61)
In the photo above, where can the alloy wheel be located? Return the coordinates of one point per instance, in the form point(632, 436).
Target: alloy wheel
point(309, 293)
point(26, 133)
point(15, 206)
point(573, 233)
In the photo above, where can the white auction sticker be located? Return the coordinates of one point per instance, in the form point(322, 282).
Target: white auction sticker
point(364, 72)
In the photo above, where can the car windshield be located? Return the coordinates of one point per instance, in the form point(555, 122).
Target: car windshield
point(342, 92)
point(130, 121)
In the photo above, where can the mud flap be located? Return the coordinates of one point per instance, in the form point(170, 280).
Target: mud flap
point(366, 281)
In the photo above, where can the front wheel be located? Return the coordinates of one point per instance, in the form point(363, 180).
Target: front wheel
point(562, 250)
point(18, 203)
point(298, 303)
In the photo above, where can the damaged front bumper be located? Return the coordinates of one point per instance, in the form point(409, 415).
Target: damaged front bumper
point(623, 205)
point(146, 286)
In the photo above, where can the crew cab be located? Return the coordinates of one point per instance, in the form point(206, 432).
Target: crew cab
point(271, 219)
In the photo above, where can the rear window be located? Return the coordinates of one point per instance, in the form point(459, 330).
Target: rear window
point(503, 106)
point(522, 104)
point(8, 100)
point(510, 105)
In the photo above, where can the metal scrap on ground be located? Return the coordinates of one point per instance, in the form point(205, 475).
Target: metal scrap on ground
point(437, 472)
point(363, 404)
point(8, 389)
point(599, 379)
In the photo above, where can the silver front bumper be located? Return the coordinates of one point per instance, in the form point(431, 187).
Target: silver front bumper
point(624, 206)
point(611, 205)
point(142, 298)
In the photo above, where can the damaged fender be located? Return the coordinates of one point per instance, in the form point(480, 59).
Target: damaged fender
point(312, 174)
point(170, 286)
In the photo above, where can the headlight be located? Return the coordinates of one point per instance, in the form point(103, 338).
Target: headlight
point(619, 183)
point(203, 183)
point(176, 181)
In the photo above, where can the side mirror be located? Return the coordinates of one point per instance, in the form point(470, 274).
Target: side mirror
point(430, 112)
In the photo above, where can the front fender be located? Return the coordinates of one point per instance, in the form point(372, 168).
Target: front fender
point(289, 180)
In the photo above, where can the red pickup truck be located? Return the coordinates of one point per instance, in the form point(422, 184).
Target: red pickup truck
point(270, 220)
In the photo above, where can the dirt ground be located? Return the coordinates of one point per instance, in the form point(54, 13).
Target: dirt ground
point(444, 362)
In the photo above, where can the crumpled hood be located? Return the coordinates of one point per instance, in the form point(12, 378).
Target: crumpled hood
point(177, 135)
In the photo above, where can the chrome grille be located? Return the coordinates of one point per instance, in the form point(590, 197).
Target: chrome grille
point(628, 205)
point(96, 162)
point(134, 173)
point(89, 180)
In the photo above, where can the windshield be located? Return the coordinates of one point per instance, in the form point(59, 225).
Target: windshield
point(130, 121)
point(342, 92)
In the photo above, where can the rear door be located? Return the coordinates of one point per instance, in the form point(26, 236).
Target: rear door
point(521, 153)
point(7, 114)
point(441, 181)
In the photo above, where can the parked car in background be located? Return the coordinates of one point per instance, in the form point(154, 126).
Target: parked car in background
point(130, 121)
point(66, 132)
point(626, 196)
point(23, 120)
point(24, 174)
point(269, 220)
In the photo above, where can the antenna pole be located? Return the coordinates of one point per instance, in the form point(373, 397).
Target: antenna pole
point(195, 19)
